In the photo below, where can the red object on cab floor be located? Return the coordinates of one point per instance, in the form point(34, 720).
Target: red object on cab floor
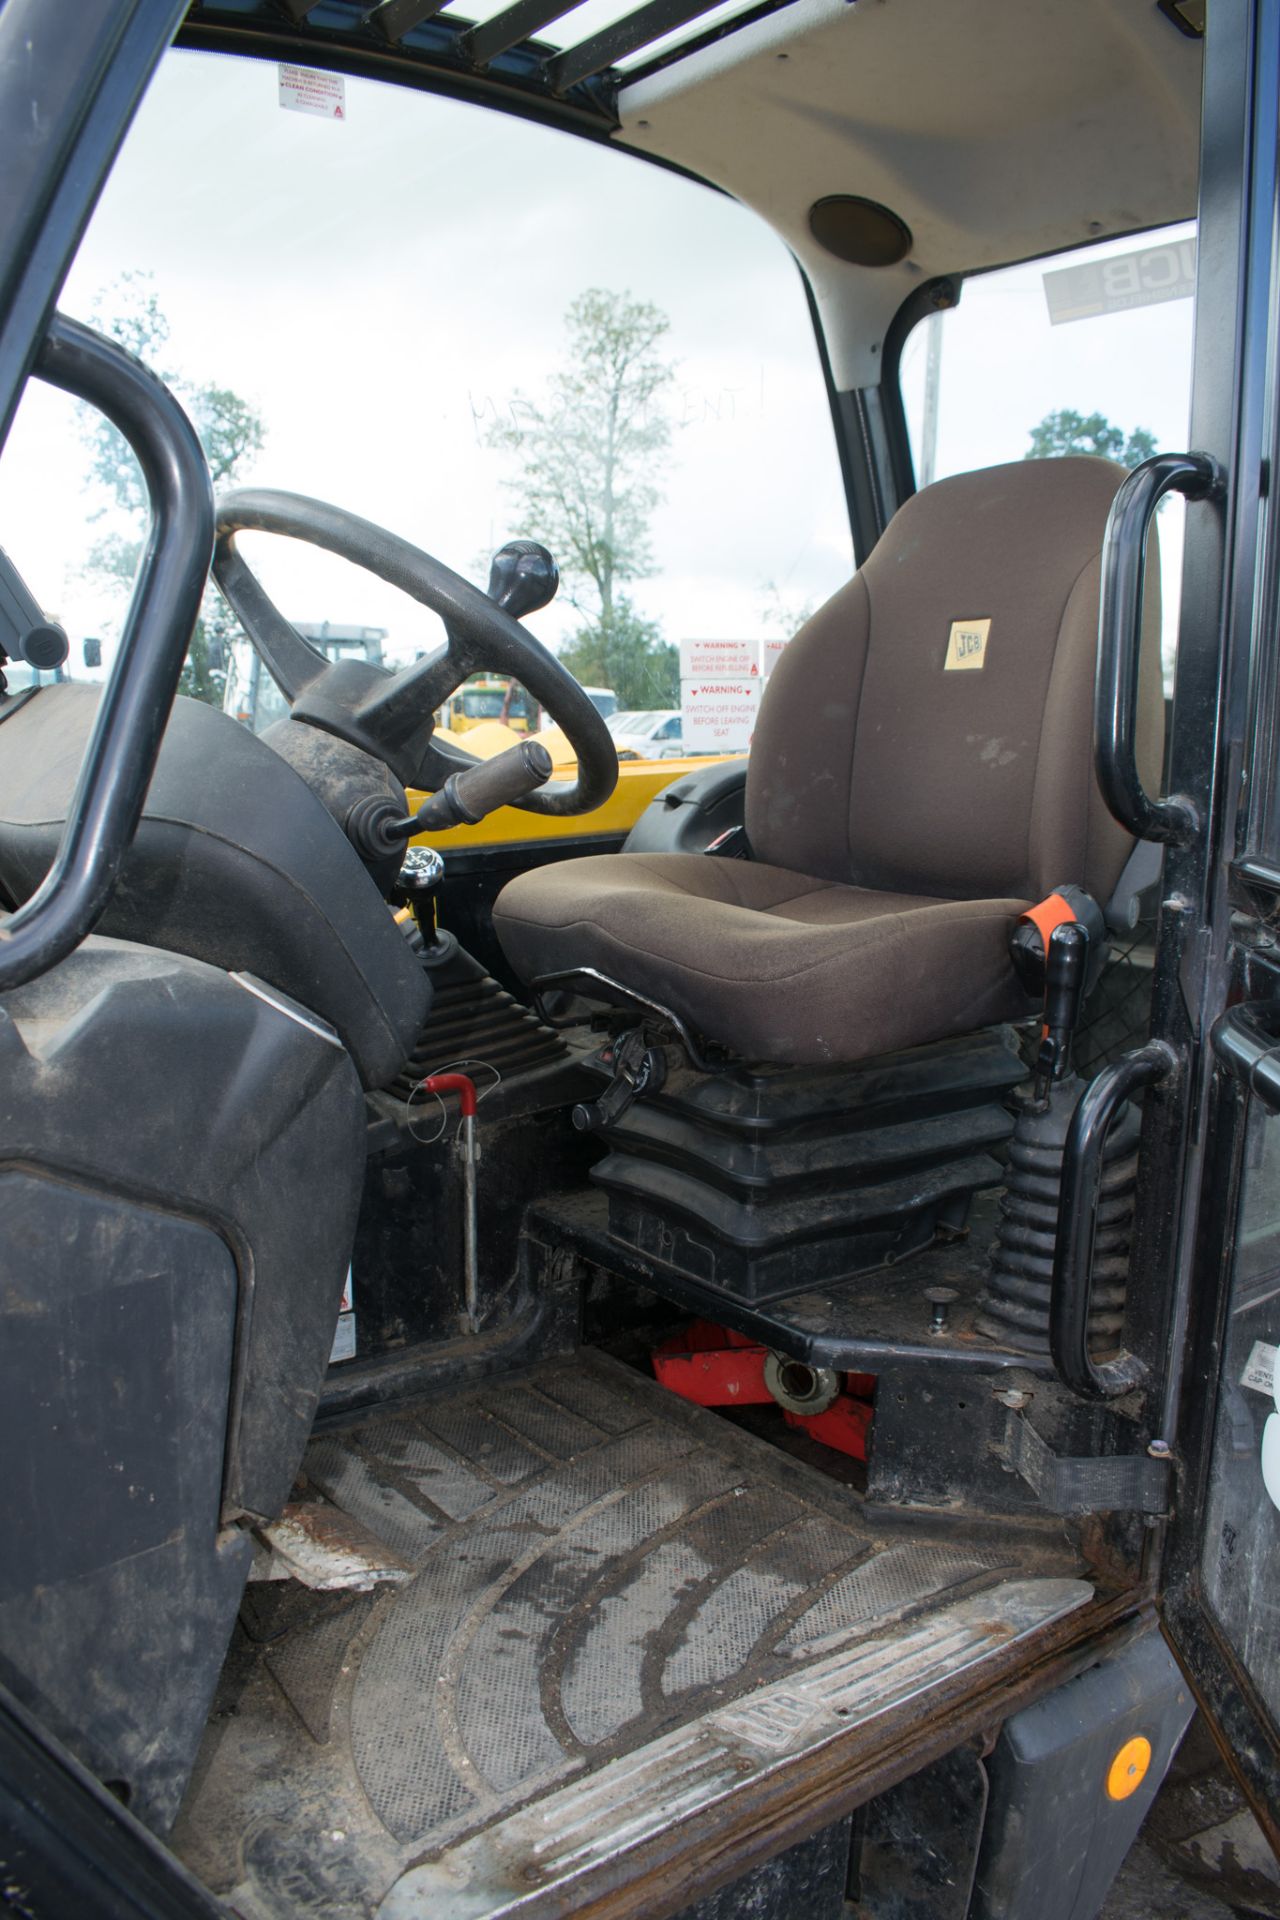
point(845, 1425)
point(714, 1367)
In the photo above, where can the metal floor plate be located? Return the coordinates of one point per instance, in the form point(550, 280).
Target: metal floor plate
point(602, 1574)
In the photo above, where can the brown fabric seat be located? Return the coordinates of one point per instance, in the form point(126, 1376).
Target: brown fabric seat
point(902, 811)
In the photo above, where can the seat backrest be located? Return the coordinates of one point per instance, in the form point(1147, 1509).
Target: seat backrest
point(929, 730)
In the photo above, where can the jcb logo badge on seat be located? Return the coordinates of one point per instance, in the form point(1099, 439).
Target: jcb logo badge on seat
point(967, 645)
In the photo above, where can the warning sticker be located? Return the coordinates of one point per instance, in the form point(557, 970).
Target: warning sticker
point(727, 659)
point(1260, 1369)
point(306, 90)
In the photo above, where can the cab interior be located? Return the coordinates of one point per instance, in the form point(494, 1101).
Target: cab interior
point(575, 1497)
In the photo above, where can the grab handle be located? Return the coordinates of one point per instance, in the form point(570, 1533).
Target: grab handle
point(1115, 703)
point(1079, 1197)
point(121, 755)
point(1245, 1041)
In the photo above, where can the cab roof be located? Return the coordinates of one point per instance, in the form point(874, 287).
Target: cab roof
point(992, 130)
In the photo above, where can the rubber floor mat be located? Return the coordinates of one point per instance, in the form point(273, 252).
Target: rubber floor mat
point(596, 1564)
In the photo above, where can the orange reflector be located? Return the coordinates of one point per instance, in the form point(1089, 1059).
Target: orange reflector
point(1129, 1768)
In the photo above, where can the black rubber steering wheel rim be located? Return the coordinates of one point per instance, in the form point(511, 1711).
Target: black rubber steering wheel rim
point(391, 715)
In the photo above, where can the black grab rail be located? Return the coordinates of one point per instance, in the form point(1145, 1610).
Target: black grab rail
point(1115, 703)
point(121, 755)
point(1080, 1194)
point(1246, 1039)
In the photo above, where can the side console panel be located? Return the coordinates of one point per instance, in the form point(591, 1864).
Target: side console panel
point(117, 1588)
point(181, 1154)
point(235, 862)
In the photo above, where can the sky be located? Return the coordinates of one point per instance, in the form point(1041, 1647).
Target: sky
point(381, 287)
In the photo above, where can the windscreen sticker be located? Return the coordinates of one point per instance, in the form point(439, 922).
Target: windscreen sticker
point(1260, 1369)
point(306, 90)
point(1146, 278)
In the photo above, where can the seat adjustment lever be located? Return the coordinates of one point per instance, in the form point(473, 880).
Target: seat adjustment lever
point(637, 1068)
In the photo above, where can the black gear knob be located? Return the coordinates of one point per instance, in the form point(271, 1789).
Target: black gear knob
point(522, 578)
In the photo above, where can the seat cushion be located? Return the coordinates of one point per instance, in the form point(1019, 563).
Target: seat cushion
point(776, 965)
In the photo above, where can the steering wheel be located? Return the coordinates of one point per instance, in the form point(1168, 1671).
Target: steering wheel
point(391, 715)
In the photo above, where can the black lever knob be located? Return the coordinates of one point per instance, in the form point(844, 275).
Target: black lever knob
point(1064, 976)
point(465, 798)
point(44, 647)
point(1065, 966)
point(522, 578)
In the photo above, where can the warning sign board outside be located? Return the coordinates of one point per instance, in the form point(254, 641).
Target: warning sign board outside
point(719, 659)
point(771, 651)
point(719, 714)
point(305, 90)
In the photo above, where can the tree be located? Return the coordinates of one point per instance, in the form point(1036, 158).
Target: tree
point(1067, 432)
point(629, 655)
point(784, 611)
point(586, 487)
point(230, 431)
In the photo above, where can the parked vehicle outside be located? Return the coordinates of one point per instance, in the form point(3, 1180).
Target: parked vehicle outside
point(251, 696)
point(656, 735)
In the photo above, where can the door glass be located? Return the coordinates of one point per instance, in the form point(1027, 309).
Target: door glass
point(1087, 351)
point(1240, 1569)
point(1262, 833)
